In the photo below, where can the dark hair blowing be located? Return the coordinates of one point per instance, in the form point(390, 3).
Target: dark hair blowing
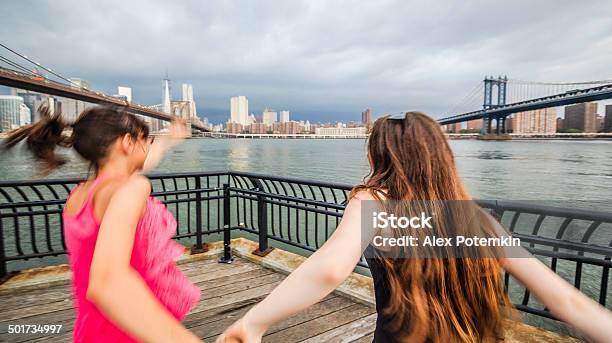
point(92, 133)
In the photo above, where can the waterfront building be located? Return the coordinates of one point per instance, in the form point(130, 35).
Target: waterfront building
point(366, 117)
point(239, 110)
point(453, 128)
point(34, 101)
point(474, 124)
point(269, 116)
point(258, 128)
point(284, 116)
point(608, 119)
point(156, 124)
point(71, 108)
point(559, 123)
point(536, 121)
point(13, 113)
point(234, 127)
point(341, 131)
point(289, 127)
point(509, 124)
point(25, 116)
point(581, 116)
point(599, 123)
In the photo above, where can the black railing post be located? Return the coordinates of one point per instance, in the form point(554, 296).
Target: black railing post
point(227, 238)
point(262, 223)
point(198, 247)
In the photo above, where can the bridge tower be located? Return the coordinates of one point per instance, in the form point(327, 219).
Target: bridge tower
point(490, 83)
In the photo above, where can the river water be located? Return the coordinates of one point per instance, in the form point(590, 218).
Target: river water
point(509, 170)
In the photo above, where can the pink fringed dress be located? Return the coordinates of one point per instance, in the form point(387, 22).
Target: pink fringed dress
point(154, 256)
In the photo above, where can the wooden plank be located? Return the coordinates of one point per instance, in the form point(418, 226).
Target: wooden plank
point(33, 310)
point(319, 325)
point(35, 297)
point(365, 339)
point(241, 286)
point(199, 267)
point(230, 298)
point(212, 329)
point(235, 278)
point(206, 276)
point(348, 332)
point(328, 305)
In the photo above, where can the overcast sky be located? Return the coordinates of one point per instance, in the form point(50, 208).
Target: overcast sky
point(322, 60)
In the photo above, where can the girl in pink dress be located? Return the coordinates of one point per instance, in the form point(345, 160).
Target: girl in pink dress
point(126, 285)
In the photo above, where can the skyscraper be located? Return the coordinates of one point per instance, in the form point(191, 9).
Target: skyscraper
point(166, 106)
point(239, 110)
point(34, 100)
point(581, 116)
point(12, 112)
point(188, 96)
point(366, 117)
point(608, 119)
point(284, 116)
point(269, 117)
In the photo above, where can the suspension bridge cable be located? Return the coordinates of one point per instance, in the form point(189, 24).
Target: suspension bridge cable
point(40, 65)
point(16, 65)
point(596, 82)
point(467, 99)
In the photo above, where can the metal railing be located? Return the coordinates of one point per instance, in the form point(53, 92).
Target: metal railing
point(299, 215)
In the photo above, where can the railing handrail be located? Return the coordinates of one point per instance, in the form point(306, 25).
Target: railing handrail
point(506, 204)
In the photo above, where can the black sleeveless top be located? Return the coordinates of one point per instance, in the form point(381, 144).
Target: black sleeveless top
point(381, 294)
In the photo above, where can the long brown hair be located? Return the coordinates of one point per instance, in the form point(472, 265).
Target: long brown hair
point(440, 299)
point(90, 135)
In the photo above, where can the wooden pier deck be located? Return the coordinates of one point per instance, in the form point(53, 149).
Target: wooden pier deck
point(228, 291)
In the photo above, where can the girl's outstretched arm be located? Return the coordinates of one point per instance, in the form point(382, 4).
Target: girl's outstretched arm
point(318, 276)
point(161, 145)
point(114, 286)
point(561, 298)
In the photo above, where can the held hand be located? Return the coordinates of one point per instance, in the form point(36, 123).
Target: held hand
point(239, 332)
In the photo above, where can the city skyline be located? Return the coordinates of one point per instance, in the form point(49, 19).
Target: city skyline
point(425, 63)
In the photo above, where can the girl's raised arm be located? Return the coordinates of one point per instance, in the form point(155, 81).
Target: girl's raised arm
point(161, 145)
point(114, 286)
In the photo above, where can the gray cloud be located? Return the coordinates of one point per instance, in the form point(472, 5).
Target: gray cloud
point(324, 60)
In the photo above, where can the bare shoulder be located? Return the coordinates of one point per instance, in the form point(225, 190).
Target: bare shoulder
point(134, 189)
point(367, 194)
point(138, 183)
